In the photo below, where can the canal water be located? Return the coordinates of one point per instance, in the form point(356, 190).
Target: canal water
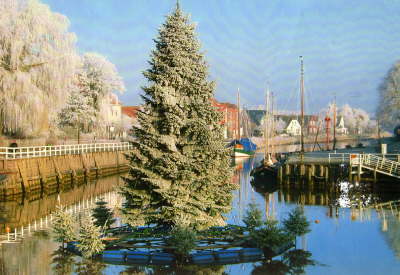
point(344, 238)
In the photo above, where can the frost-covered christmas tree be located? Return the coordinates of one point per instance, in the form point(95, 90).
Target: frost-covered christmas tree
point(90, 242)
point(63, 226)
point(180, 171)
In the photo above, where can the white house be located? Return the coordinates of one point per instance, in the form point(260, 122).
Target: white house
point(340, 129)
point(294, 128)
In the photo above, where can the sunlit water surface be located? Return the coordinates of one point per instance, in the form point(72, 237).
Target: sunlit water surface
point(343, 240)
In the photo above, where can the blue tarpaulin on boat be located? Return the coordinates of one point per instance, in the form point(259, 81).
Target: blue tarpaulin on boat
point(248, 145)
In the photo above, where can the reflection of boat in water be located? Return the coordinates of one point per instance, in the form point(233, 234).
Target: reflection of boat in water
point(2, 177)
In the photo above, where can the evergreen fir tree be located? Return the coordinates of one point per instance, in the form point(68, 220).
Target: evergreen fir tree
point(103, 216)
point(253, 217)
point(90, 242)
point(63, 226)
point(296, 223)
point(180, 169)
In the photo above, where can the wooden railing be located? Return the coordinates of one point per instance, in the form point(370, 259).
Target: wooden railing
point(379, 164)
point(57, 150)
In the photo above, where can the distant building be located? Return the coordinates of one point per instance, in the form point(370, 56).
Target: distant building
point(341, 129)
point(312, 125)
point(112, 115)
point(129, 118)
point(294, 128)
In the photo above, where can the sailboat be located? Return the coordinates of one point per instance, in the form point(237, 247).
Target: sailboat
point(242, 146)
point(269, 167)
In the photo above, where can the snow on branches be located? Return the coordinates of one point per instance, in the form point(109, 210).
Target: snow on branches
point(38, 61)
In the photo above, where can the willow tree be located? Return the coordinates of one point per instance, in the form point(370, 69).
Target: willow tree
point(37, 65)
point(388, 111)
point(179, 167)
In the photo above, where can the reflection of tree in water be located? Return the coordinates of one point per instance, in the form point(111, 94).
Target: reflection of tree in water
point(293, 262)
point(62, 261)
point(176, 270)
point(89, 267)
point(391, 232)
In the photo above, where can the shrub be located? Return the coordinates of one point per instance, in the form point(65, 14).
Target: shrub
point(183, 239)
point(253, 217)
point(296, 224)
point(269, 236)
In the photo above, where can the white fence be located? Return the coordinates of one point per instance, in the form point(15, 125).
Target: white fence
point(335, 158)
point(58, 150)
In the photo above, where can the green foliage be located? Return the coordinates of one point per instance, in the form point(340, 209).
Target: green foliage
point(90, 267)
point(296, 223)
point(297, 260)
point(180, 170)
point(103, 216)
point(269, 236)
point(62, 261)
point(90, 242)
point(253, 217)
point(63, 226)
point(183, 239)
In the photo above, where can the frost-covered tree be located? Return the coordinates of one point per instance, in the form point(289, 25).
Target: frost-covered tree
point(101, 78)
point(280, 125)
point(63, 226)
point(77, 112)
point(98, 79)
point(388, 111)
point(356, 120)
point(90, 242)
point(37, 66)
point(180, 171)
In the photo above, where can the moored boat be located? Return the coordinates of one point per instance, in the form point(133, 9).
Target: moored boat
point(243, 147)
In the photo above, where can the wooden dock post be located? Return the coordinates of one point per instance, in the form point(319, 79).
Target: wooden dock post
point(302, 170)
point(326, 173)
point(280, 172)
point(287, 169)
point(310, 172)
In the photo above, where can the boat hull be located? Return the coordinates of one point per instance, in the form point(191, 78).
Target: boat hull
point(240, 153)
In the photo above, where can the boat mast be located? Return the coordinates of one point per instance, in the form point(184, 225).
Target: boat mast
point(238, 117)
point(272, 122)
point(334, 124)
point(266, 140)
point(302, 103)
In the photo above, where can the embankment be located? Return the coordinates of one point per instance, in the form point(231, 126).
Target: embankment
point(32, 178)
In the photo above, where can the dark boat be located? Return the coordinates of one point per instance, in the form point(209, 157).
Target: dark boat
point(265, 177)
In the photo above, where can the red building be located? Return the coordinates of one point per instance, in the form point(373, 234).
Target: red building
point(130, 111)
point(229, 119)
point(312, 126)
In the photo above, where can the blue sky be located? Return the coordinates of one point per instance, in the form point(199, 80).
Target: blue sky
point(348, 45)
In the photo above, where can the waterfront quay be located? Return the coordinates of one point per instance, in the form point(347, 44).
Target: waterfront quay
point(37, 170)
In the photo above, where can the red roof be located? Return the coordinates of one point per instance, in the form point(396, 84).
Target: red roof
point(130, 111)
